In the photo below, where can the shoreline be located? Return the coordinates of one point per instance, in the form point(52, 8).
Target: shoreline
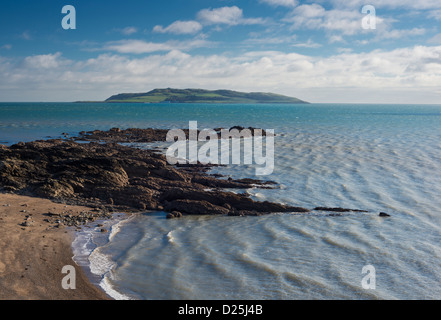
point(86, 246)
point(91, 177)
point(36, 243)
point(32, 256)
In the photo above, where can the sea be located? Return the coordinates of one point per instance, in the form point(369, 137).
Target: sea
point(378, 158)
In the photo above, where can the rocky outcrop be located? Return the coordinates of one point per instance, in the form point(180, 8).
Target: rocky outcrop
point(117, 177)
point(127, 135)
point(230, 203)
point(106, 175)
point(136, 135)
point(337, 209)
point(383, 214)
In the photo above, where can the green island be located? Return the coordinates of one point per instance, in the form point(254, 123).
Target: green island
point(170, 95)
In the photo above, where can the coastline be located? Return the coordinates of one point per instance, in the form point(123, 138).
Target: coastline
point(36, 242)
point(87, 254)
point(114, 178)
point(32, 257)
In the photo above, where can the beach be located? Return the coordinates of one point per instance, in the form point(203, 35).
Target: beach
point(32, 257)
point(220, 150)
point(290, 236)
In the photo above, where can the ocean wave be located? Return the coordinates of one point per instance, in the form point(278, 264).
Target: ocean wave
point(87, 248)
point(170, 237)
point(108, 287)
point(82, 246)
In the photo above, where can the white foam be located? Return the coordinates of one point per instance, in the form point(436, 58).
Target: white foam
point(170, 237)
point(115, 229)
point(88, 254)
point(82, 246)
point(100, 263)
point(108, 288)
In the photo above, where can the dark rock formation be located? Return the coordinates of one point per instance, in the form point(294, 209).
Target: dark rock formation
point(115, 177)
point(174, 214)
point(109, 176)
point(70, 220)
point(127, 135)
point(135, 135)
point(384, 214)
point(337, 209)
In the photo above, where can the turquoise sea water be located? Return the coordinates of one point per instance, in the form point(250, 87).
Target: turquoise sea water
point(372, 157)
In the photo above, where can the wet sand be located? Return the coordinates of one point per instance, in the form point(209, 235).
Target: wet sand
point(32, 257)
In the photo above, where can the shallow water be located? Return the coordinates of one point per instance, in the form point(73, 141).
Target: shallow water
point(371, 157)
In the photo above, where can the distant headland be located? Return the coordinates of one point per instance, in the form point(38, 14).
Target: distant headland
point(170, 95)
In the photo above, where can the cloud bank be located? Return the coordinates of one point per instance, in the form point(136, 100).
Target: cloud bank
point(375, 76)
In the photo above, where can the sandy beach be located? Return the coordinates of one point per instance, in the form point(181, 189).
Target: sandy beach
point(32, 257)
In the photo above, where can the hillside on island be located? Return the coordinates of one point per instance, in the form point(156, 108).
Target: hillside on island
point(201, 96)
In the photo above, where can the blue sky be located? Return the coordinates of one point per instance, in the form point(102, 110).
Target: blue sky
point(314, 50)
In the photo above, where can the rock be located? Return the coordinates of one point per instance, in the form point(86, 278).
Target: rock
point(136, 135)
point(337, 209)
point(52, 214)
point(127, 135)
point(384, 214)
point(170, 174)
point(111, 176)
point(196, 207)
point(223, 202)
point(174, 214)
point(124, 177)
point(177, 214)
point(28, 223)
point(54, 189)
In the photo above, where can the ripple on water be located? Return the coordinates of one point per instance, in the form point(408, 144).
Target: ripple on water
point(328, 156)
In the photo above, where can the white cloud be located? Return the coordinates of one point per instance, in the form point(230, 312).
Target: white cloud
point(398, 34)
point(45, 61)
point(390, 4)
point(136, 46)
point(25, 35)
point(435, 14)
point(283, 3)
point(230, 16)
point(226, 15)
point(315, 17)
point(308, 44)
point(128, 30)
point(141, 46)
point(256, 39)
point(180, 27)
point(435, 39)
point(342, 22)
point(310, 11)
point(336, 38)
point(401, 75)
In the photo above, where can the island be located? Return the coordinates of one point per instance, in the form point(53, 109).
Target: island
point(170, 95)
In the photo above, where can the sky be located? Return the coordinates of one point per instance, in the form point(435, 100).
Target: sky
point(320, 51)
